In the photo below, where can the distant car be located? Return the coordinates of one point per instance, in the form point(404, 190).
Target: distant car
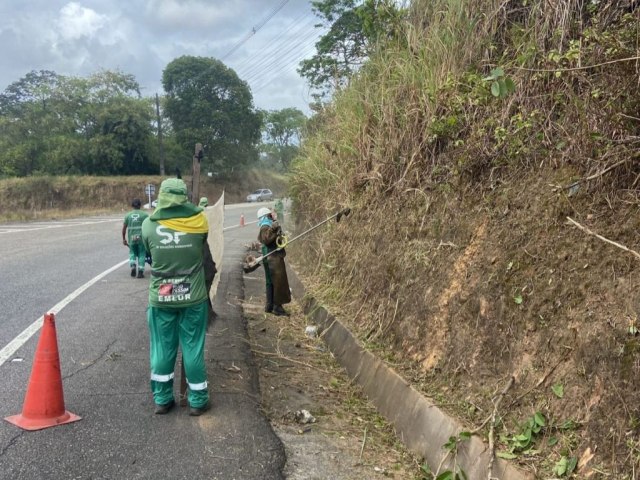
point(261, 195)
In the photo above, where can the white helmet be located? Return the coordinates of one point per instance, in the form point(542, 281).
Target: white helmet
point(263, 211)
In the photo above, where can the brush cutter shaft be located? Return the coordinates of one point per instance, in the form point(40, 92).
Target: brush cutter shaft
point(345, 212)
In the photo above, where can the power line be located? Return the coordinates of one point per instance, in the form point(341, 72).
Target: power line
point(255, 29)
point(244, 39)
point(269, 62)
point(270, 45)
point(293, 51)
point(283, 49)
point(289, 66)
point(292, 61)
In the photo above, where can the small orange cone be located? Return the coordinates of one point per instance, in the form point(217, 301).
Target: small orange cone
point(242, 219)
point(44, 402)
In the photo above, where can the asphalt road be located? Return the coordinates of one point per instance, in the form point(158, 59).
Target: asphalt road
point(103, 347)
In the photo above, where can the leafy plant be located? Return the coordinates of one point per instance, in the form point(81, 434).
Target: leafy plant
point(523, 441)
point(452, 449)
point(558, 390)
point(501, 85)
point(565, 466)
point(452, 444)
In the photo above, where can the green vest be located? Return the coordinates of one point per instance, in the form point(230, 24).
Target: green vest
point(177, 273)
point(133, 220)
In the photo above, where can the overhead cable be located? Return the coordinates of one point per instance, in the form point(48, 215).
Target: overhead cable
point(286, 49)
point(255, 29)
point(270, 46)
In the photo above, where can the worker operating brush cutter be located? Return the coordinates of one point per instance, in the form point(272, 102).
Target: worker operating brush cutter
point(273, 253)
point(275, 270)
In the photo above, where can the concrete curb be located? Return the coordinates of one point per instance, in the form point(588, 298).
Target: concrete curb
point(419, 424)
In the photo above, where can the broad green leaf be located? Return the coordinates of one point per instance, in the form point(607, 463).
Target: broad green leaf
point(451, 444)
point(503, 88)
point(571, 464)
point(495, 89)
point(539, 419)
point(511, 87)
point(560, 467)
point(552, 441)
point(506, 455)
point(497, 73)
point(558, 390)
point(518, 299)
point(464, 435)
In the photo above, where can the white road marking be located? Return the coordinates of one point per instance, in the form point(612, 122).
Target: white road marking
point(28, 332)
point(23, 337)
point(30, 227)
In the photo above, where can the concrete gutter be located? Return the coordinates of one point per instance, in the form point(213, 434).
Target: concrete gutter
point(418, 423)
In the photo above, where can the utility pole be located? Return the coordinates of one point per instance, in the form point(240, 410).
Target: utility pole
point(160, 144)
point(195, 179)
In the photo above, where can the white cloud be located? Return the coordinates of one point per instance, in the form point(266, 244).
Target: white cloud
point(80, 37)
point(188, 14)
point(76, 21)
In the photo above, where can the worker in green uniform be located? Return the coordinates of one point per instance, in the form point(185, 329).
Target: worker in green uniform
point(176, 236)
point(131, 237)
point(275, 270)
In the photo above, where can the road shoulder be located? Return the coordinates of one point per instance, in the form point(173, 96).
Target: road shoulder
point(348, 439)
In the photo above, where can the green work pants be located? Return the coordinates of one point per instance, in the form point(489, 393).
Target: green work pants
point(168, 327)
point(265, 264)
point(137, 252)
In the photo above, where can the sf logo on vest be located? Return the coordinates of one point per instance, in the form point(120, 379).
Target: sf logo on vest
point(169, 237)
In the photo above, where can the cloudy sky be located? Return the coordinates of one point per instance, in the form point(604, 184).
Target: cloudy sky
point(141, 37)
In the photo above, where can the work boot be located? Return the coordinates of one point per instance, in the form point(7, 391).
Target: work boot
point(164, 409)
point(279, 311)
point(268, 307)
point(133, 271)
point(140, 274)
point(196, 412)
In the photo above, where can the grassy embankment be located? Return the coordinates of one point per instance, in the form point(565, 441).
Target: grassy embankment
point(62, 197)
point(458, 264)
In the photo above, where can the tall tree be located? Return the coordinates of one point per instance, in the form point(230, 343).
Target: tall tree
point(207, 103)
point(283, 129)
point(54, 124)
point(354, 28)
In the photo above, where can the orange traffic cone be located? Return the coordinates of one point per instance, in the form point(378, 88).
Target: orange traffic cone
point(44, 402)
point(242, 219)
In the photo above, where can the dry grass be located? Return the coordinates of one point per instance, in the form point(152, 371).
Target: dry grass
point(63, 197)
point(428, 158)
